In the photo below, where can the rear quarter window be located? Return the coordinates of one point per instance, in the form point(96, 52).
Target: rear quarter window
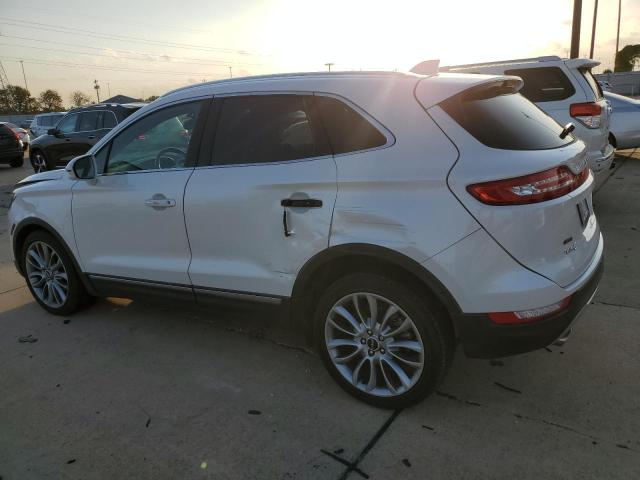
point(544, 84)
point(507, 122)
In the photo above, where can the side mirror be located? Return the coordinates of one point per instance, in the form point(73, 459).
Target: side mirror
point(53, 131)
point(82, 168)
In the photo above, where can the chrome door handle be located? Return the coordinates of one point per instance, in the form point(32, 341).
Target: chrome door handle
point(160, 202)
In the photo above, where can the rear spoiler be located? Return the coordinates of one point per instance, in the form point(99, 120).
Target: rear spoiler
point(432, 90)
point(581, 63)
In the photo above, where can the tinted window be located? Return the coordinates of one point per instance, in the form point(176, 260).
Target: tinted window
point(509, 122)
point(348, 131)
point(68, 123)
point(266, 128)
point(159, 140)
point(89, 121)
point(545, 84)
point(108, 120)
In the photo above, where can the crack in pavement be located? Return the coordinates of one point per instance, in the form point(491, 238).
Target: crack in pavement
point(381, 431)
point(610, 304)
point(345, 462)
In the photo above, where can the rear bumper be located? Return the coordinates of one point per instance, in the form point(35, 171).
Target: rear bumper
point(602, 163)
point(482, 338)
point(10, 154)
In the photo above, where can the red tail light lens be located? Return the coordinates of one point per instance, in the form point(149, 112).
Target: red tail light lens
point(526, 316)
point(534, 188)
point(587, 113)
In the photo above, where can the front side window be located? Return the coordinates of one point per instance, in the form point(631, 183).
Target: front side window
point(266, 128)
point(348, 131)
point(68, 123)
point(156, 141)
point(88, 121)
point(544, 84)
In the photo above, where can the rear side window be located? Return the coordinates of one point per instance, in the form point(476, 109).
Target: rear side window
point(545, 84)
point(508, 122)
point(88, 121)
point(108, 119)
point(595, 86)
point(348, 131)
point(267, 128)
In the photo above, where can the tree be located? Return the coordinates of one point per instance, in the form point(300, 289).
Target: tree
point(607, 70)
point(152, 98)
point(78, 99)
point(627, 58)
point(15, 99)
point(50, 101)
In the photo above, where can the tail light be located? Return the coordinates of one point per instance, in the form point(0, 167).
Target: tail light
point(534, 188)
point(16, 134)
point(526, 316)
point(589, 114)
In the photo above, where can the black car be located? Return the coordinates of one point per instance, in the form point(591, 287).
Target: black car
point(76, 133)
point(11, 151)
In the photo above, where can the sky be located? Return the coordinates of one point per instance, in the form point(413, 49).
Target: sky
point(141, 48)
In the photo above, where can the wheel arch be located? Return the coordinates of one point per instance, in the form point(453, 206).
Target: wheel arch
point(29, 225)
point(612, 140)
point(334, 262)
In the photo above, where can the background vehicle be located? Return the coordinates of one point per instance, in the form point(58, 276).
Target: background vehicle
point(43, 122)
point(11, 149)
point(22, 134)
point(26, 124)
point(566, 90)
point(392, 225)
point(605, 86)
point(625, 121)
point(75, 133)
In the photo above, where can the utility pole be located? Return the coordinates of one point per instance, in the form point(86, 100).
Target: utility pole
point(109, 89)
point(4, 80)
point(617, 35)
point(97, 89)
point(24, 76)
point(593, 28)
point(329, 65)
point(575, 28)
point(230, 72)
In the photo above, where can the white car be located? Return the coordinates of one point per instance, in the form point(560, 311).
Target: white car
point(567, 91)
point(22, 134)
point(625, 121)
point(395, 215)
point(44, 122)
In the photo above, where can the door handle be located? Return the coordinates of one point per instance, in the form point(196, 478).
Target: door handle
point(301, 202)
point(67, 139)
point(91, 137)
point(160, 202)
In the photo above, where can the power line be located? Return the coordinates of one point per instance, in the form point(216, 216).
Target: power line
point(110, 36)
point(38, 61)
point(219, 64)
point(224, 62)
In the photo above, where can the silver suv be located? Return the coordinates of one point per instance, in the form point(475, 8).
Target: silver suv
point(43, 122)
point(566, 90)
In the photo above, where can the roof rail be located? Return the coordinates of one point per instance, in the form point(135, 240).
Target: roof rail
point(547, 58)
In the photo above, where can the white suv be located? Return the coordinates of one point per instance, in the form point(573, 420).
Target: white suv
point(394, 214)
point(567, 91)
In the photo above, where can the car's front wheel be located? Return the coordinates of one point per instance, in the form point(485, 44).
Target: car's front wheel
point(39, 162)
point(51, 275)
point(380, 341)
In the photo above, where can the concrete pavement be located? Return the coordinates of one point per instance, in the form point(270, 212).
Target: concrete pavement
point(130, 390)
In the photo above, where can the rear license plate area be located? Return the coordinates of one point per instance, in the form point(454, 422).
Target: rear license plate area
point(584, 212)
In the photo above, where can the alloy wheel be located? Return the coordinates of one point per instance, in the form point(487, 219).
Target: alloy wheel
point(47, 274)
point(39, 163)
point(374, 344)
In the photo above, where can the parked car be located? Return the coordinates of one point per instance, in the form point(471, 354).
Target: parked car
point(22, 134)
point(43, 122)
point(625, 121)
point(75, 133)
point(566, 90)
point(394, 226)
point(11, 149)
point(26, 124)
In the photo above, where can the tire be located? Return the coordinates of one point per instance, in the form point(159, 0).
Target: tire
point(17, 162)
point(427, 328)
point(39, 161)
point(41, 281)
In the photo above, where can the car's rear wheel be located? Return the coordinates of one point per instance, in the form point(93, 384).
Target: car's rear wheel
point(39, 161)
point(17, 162)
point(51, 275)
point(380, 341)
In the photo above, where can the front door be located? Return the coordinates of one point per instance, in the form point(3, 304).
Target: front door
point(129, 221)
point(263, 206)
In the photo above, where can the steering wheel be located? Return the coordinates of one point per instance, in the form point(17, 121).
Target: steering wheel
point(169, 157)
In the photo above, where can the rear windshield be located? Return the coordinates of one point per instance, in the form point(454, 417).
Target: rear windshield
point(595, 86)
point(507, 122)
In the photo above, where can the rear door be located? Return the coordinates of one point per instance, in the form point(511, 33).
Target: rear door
point(261, 204)
point(501, 135)
point(8, 142)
